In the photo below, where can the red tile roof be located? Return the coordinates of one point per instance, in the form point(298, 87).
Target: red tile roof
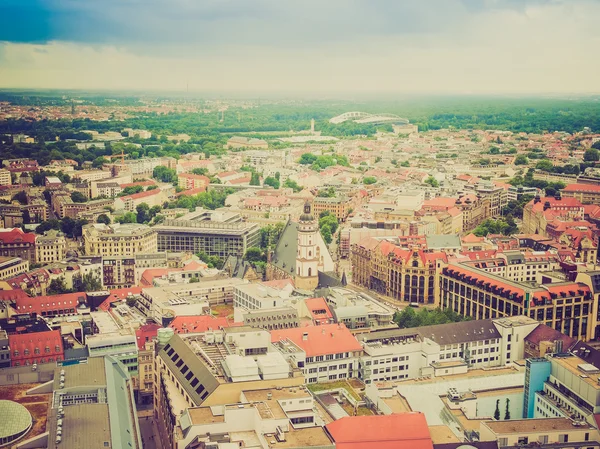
point(45, 342)
point(146, 333)
point(52, 303)
point(395, 431)
point(200, 323)
point(119, 294)
point(17, 236)
point(146, 194)
point(587, 188)
point(321, 340)
point(316, 306)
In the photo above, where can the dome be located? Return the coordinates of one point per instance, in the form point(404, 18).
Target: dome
point(307, 214)
point(16, 421)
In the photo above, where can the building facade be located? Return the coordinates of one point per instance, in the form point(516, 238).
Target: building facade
point(119, 240)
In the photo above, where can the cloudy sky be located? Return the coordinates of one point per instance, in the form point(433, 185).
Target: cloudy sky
point(434, 46)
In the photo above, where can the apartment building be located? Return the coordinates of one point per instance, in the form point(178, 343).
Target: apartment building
point(5, 178)
point(119, 239)
point(50, 247)
point(217, 233)
point(325, 353)
point(406, 274)
point(584, 193)
point(190, 181)
point(12, 266)
point(565, 306)
point(339, 206)
point(540, 211)
point(518, 266)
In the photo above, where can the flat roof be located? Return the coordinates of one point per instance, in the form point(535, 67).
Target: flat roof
point(308, 437)
point(83, 425)
point(204, 415)
point(533, 425)
point(91, 373)
point(572, 364)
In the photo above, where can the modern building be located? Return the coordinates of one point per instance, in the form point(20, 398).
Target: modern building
point(565, 306)
point(5, 178)
point(50, 247)
point(515, 193)
point(217, 233)
point(210, 370)
point(119, 239)
point(559, 433)
point(92, 406)
point(190, 181)
point(121, 347)
point(537, 372)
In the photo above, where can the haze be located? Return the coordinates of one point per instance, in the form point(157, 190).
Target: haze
point(431, 46)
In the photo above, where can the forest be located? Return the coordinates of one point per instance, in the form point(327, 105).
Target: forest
point(270, 120)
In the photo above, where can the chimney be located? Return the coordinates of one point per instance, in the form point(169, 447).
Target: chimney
point(305, 336)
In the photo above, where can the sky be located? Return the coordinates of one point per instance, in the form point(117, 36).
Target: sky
point(324, 46)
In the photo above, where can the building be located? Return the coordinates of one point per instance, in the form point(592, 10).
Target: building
point(245, 142)
point(515, 193)
point(540, 211)
point(339, 206)
point(91, 175)
point(109, 189)
point(584, 193)
point(301, 253)
point(5, 178)
point(12, 266)
point(50, 247)
point(4, 350)
point(189, 181)
point(31, 341)
point(129, 203)
point(92, 406)
point(119, 239)
point(537, 372)
point(16, 243)
point(406, 274)
point(121, 347)
point(395, 431)
point(325, 353)
point(118, 271)
point(560, 433)
point(217, 233)
point(213, 369)
point(358, 311)
point(567, 307)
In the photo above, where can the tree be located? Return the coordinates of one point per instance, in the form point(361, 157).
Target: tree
point(153, 187)
point(290, 184)
point(328, 219)
point(164, 174)
point(505, 226)
point(408, 317)
point(507, 412)
point(128, 217)
point(99, 162)
point(130, 190)
point(497, 411)
point(254, 254)
point(21, 197)
point(254, 179)
point(521, 159)
point(131, 301)
point(405, 164)
point(269, 235)
point(326, 234)
point(270, 181)
point(103, 218)
point(545, 165)
point(143, 213)
point(368, 180)
point(78, 197)
point(591, 155)
point(432, 181)
point(57, 287)
point(87, 283)
point(327, 193)
point(307, 159)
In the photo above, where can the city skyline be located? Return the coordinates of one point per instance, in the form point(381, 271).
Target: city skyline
point(443, 47)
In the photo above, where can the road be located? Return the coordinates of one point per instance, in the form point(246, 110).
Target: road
point(149, 432)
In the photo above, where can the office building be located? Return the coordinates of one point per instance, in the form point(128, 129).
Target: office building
point(50, 247)
point(12, 266)
point(217, 233)
point(537, 372)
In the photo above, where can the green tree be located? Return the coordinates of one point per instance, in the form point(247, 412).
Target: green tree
point(521, 159)
point(78, 197)
point(405, 164)
point(57, 287)
point(307, 159)
point(254, 179)
point(497, 411)
point(505, 226)
point(143, 213)
point(290, 184)
point(164, 174)
point(103, 218)
point(432, 181)
point(591, 155)
point(254, 254)
point(21, 197)
point(87, 283)
point(270, 181)
point(507, 411)
point(128, 217)
point(326, 234)
point(545, 165)
point(368, 180)
point(99, 162)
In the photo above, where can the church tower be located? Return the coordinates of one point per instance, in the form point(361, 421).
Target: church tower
point(307, 258)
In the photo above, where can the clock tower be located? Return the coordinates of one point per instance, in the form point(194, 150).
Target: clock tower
point(307, 258)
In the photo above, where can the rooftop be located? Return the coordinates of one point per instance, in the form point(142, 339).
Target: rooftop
point(533, 425)
point(319, 340)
